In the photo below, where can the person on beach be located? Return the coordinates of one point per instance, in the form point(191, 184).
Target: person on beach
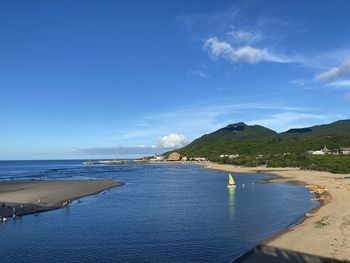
point(14, 212)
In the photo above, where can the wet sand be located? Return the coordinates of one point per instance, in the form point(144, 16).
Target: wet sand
point(26, 197)
point(324, 234)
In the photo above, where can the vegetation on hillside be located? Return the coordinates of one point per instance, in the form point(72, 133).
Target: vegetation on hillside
point(257, 145)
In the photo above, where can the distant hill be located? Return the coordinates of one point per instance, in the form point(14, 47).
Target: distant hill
point(336, 128)
point(237, 131)
point(258, 145)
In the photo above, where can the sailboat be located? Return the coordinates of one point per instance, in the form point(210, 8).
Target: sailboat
point(231, 182)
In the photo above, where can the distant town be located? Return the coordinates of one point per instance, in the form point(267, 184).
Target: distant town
point(173, 157)
point(325, 150)
point(176, 157)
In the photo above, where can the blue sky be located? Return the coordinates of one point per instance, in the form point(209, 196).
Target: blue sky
point(99, 79)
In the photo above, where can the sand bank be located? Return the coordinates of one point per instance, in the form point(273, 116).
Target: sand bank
point(25, 197)
point(324, 234)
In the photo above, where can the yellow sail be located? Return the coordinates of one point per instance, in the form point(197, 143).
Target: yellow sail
point(230, 180)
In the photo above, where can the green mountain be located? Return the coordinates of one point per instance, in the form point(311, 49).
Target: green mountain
point(256, 145)
point(237, 131)
point(336, 128)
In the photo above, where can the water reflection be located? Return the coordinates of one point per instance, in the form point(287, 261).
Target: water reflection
point(231, 194)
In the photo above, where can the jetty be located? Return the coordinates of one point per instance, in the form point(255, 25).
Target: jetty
point(114, 162)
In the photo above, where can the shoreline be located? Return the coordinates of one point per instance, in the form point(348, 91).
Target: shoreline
point(322, 235)
point(23, 197)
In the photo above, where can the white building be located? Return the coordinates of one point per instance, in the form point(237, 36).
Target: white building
point(230, 156)
point(345, 150)
point(320, 152)
point(199, 159)
point(157, 158)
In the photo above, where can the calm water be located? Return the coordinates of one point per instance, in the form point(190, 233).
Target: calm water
point(164, 213)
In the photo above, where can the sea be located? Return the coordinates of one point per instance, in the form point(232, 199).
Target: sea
point(163, 213)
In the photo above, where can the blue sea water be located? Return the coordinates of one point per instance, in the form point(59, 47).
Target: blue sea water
point(164, 213)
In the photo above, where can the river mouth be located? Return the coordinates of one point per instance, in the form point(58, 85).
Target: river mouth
point(163, 213)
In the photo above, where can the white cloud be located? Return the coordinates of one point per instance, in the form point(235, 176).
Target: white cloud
point(172, 140)
point(246, 54)
point(337, 72)
point(340, 84)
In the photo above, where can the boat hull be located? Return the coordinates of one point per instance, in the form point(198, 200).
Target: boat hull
point(231, 186)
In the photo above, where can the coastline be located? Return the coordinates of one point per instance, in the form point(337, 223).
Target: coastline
point(27, 197)
point(323, 234)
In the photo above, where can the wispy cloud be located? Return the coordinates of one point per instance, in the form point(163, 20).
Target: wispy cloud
point(325, 60)
point(334, 77)
point(198, 120)
point(287, 120)
point(240, 36)
point(243, 54)
point(246, 42)
point(237, 36)
point(218, 22)
point(119, 150)
point(341, 84)
point(334, 73)
point(198, 73)
point(298, 82)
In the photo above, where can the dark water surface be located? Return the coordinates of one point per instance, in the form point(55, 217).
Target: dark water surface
point(164, 213)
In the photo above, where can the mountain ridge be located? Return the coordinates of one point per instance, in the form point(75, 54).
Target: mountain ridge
point(257, 145)
point(336, 127)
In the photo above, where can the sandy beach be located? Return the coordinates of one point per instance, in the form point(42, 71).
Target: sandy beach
point(324, 234)
point(25, 197)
